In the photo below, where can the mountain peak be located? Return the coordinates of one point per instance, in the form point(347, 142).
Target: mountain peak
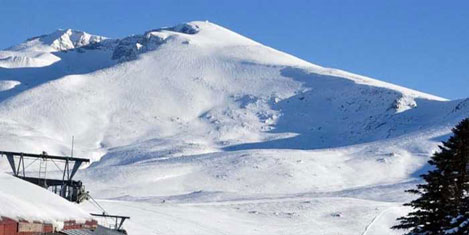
point(59, 40)
point(66, 39)
point(191, 27)
point(187, 28)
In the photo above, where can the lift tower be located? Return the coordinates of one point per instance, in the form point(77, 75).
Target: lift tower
point(66, 187)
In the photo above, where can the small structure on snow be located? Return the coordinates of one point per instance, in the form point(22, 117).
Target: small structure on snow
point(27, 209)
point(12, 223)
point(65, 186)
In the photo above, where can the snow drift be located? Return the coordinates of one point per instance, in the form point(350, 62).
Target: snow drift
point(21, 200)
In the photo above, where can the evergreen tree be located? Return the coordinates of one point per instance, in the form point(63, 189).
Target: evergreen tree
point(442, 206)
point(461, 222)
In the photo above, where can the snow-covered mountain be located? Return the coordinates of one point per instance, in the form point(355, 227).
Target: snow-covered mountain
point(221, 128)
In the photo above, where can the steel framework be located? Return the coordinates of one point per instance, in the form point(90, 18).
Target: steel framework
point(66, 187)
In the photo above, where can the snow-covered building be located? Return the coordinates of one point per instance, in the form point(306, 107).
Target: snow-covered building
point(29, 209)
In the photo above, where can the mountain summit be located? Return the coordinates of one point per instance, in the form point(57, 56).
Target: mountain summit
point(60, 40)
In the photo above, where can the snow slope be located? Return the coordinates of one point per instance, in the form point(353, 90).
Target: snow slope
point(207, 120)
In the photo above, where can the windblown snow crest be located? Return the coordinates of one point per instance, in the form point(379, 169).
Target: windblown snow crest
point(28, 54)
point(60, 40)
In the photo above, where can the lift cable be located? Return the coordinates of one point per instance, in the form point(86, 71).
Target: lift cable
point(100, 207)
point(94, 204)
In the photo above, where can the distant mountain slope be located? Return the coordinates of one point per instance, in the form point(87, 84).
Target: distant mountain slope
point(198, 86)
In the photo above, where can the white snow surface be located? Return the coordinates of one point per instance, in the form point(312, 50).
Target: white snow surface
point(6, 85)
point(195, 129)
point(21, 200)
point(60, 40)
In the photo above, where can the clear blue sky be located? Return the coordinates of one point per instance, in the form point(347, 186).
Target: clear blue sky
point(420, 44)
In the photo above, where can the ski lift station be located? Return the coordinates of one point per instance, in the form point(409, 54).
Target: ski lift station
point(41, 196)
